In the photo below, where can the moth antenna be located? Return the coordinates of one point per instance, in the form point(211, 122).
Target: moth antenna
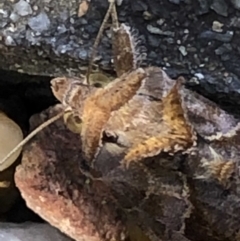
point(114, 15)
point(32, 134)
point(98, 38)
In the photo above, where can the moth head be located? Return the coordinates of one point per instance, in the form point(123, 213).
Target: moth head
point(59, 86)
point(72, 92)
point(69, 91)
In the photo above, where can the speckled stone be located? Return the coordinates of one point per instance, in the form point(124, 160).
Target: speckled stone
point(53, 41)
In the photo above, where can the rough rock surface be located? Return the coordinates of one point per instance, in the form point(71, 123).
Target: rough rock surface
point(29, 232)
point(52, 185)
point(48, 38)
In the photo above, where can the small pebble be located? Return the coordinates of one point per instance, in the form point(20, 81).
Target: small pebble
point(160, 21)
point(200, 76)
point(4, 13)
point(22, 8)
point(217, 26)
point(14, 17)
point(156, 30)
point(194, 80)
point(40, 22)
point(223, 37)
point(83, 8)
point(183, 50)
point(147, 15)
point(220, 7)
point(9, 41)
point(35, 7)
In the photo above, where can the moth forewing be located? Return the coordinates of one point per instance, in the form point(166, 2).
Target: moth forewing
point(98, 107)
point(177, 136)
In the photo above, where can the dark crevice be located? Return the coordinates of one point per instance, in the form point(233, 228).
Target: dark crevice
point(21, 96)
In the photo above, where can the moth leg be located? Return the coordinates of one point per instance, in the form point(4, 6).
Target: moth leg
point(178, 135)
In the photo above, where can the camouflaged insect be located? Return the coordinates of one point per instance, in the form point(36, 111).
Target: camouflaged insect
point(181, 150)
point(125, 106)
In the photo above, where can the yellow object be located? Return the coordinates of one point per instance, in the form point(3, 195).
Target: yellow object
point(10, 135)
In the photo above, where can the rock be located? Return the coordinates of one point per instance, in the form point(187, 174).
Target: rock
point(22, 8)
point(183, 51)
point(61, 44)
point(200, 76)
point(236, 4)
point(220, 7)
point(235, 22)
point(222, 37)
point(225, 48)
point(84, 210)
point(155, 30)
point(120, 203)
point(9, 41)
point(29, 232)
point(204, 7)
point(217, 26)
point(40, 23)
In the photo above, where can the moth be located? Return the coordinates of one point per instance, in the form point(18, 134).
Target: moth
point(125, 107)
point(167, 155)
point(140, 114)
point(88, 108)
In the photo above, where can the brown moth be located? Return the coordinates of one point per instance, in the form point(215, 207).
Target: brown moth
point(181, 149)
point(142, 110)
point(125, 105)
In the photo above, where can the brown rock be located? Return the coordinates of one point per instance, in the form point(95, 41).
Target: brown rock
point(52, 185)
